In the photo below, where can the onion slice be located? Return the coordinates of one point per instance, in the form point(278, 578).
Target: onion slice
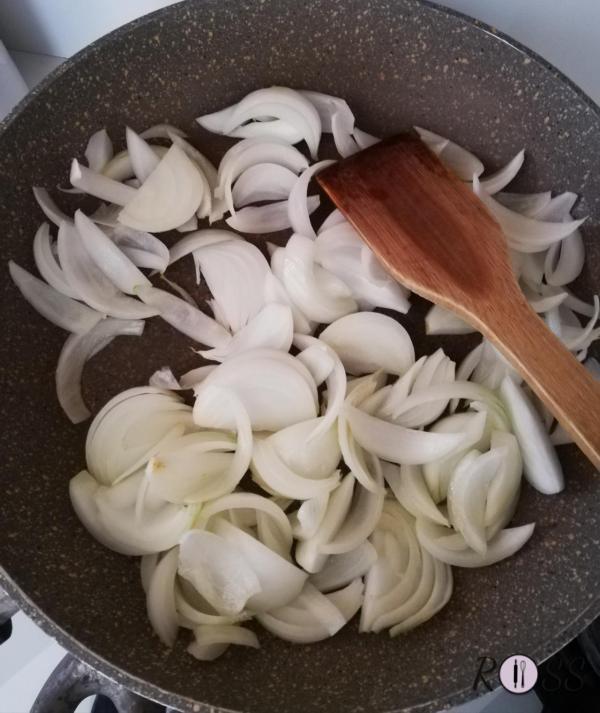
point(168, 197)
point(75, 352)
point(542, 467)
point(368, 341)
point(55, 306)
point(160, 598)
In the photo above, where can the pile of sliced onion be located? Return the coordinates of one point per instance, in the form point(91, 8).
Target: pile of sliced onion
point(374, 470)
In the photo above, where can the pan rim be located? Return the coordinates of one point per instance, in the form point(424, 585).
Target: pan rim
point(132, 681)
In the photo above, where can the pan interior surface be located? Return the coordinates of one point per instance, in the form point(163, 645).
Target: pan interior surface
point(398, 64)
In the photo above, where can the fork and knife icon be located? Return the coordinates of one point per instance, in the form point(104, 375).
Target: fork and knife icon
point(519, 666)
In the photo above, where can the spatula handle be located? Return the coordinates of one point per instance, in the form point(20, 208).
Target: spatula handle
point(568, 390)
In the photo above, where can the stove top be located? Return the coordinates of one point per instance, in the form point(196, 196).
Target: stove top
point(38, 676)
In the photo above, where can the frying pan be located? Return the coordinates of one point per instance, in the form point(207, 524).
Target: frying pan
point(398, 63)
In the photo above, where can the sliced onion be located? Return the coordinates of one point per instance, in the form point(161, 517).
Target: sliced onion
point(250, 152)
point(263, 182)
point(75, 352)
point(311, 294)
point(55, 306)
point(271, 129)
point(438, 473)
point(86, 278)
point(523, 233)
point(99, 150)
point(367, 341)
point(142, 243)
point(306, 520)
point(362, 517)
point(241, 296)
point(186, 319)
point(363, 139)
point(276, 390)
point(336, 383)
point(209, 640)
point(315, 457)
point(280, 581)
point(160, 598)
point(168, 197)
point(48, 206)
point(439, 597)
point(542, 467)
point(271, 328)
point(499, 180)
point(298, 204)
point(249, 501)
point(410, 488)
point(269, 218)
point(197, 240)
point(309, 554)
point(99, 185)
point(525, 203)
point(439, 320)
point(280, 103)
point(210, 207)
point(564, 260)
point(108, 257)
point(218, 570)
point(460, 161)
point(326, 106)
point(342, 569)
point(342, 130)
point(147, 566)
point(162, 131)
point(398, 444)
point(278, 478)
point(275, 292)
point(143, 159)
point(504, 488)
point(503, 545)
point(467, 495)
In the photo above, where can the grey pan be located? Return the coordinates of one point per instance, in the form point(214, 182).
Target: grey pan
point(398, 62)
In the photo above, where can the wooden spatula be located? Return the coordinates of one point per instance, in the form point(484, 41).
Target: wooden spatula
point(435, 236)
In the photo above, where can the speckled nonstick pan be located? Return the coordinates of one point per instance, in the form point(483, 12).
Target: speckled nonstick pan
point(398, 63)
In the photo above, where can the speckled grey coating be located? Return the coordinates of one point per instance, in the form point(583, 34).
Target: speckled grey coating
point(398, 63)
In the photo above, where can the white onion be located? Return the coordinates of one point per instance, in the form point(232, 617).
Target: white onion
point(269, 218)
point(367, 341)
point(503, 545)
point(99, 185)
point(271, 328)
point(160, 598)
point(48, 206)
point(108, 256)
point(276, 390)
point(241, 296)
point(298, 205)
point(99, 150)
point(184, 317)
point(542, 467)
point(499, 180)
point(143, 159)
point(55, 306)
point(218, 570)
point(75, 352)
point(280, 581)
point(460, 161)
point(168, 197)
point(47, 264)
point(319, 299)
point(342, 569)
point(86, 278)
point(263, 182)
point(210, 641)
